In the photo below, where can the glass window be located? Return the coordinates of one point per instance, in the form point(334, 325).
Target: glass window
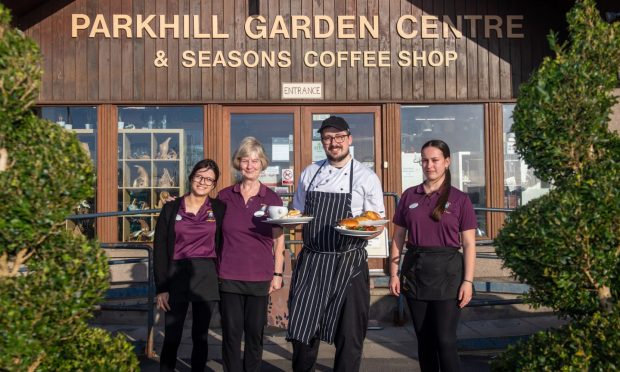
point(157, 149)
point(462, 128)
point(275, 133)
point(82, 120)
point(362, 130)
point(520, 184)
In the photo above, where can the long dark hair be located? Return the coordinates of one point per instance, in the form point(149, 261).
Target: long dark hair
point(208, 164)
point(440, 207)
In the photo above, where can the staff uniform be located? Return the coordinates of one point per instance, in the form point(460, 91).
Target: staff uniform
point(329, 297)
point(185, 247)
point(432, 271)
point(246, 265)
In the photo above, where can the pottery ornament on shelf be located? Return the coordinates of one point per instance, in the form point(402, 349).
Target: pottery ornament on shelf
point(163, 196)
point(86, 148)
point(166, 179)
point(143, 177)
point(162, 153)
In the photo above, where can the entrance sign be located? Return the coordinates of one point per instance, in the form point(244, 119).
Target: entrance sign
point(302, 91)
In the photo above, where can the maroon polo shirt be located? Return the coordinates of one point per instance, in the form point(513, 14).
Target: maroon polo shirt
point(247, 251)
point(195, 233)
point(414, 213)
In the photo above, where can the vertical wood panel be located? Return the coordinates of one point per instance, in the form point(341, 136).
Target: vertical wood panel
point(274, 72)
point(195, 74)
point(427, 45)
point(374, 89)
point(483, 55)
point(185, 83)
point(263, 44)
point(160, 45)
point(46, 51)
point(69, 54)
point(362, 45)
point(461, 62)
point(493, 51)
point(127, 68)
point(319, 44)
point(228, 21)
point(329, 82)
point(296, 54)
point(93, 56)
point(150, 72)
point(104, 57)
point(450, 44)
point(439, 45)
point(384, 44)
point(107, 187)
point(405, 44)
point(515, 55)
point(395, 70)
point(504, 63)
point(57, 57)
point(285, 44)
point(116, 57)
point(416, 45)
point(241, 80)
point(206, 11)
point(341, 73)
point(494, 165)
point(352, 89)
point(140, 69)
point(472, 55)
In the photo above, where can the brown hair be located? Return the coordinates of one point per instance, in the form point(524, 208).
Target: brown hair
point(440, 207)
point(205, 164)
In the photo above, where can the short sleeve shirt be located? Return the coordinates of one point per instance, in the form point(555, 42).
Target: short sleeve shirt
point(194, 233)
point(414, 213)
point(247, 249)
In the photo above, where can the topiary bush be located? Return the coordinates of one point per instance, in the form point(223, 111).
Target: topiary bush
point(49, 279)
point(566, 245)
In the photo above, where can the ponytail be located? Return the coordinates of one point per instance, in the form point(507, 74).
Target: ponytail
point(440, 207)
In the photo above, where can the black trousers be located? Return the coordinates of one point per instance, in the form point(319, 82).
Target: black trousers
point(174, 320)
point(435, 325)
point(350, 332)
point(242, 314)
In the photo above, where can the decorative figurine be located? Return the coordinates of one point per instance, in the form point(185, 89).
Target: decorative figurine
point(166, 179)
point(163, 149)
point(143, 177)
point(86, 148)
point(163, 197)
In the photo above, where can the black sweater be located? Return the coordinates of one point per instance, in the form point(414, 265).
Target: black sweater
point(165, 236)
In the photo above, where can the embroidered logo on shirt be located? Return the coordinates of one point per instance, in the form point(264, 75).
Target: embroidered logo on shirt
point(210, 216)
point(446, 207)
point(413, 205)
point(179, 218)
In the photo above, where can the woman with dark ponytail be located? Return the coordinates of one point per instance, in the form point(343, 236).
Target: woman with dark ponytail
point(437, 280)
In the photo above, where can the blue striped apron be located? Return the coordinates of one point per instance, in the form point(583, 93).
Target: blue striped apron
point(325, 266)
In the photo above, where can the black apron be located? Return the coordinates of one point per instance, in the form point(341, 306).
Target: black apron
point(432, 273)
point(193, 279)
point(325, 266)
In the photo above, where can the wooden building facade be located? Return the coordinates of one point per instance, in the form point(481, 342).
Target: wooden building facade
point(199, 75)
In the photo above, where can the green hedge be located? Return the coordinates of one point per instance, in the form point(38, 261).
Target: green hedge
point(47, 304)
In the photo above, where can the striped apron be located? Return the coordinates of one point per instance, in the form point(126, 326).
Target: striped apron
point(325, 266)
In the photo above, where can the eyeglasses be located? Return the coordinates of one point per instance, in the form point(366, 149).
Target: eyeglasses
point(337, 139)
point(206, 180)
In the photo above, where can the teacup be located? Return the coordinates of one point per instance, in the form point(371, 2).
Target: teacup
point(276, 212)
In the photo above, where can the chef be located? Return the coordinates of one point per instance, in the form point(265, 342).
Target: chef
point(330, 297)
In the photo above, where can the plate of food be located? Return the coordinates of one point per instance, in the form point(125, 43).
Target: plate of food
point(293, 217)
point(362, 225)
point(360, 231)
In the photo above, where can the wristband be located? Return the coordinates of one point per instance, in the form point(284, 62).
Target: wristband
point(278, 274)
point(468, 281)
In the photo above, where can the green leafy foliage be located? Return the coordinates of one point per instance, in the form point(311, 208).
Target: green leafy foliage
point(45, 308)
point(566, 245)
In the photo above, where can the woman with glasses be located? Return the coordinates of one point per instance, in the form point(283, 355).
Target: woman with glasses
point(251, 261)
point(437, 280)
point(187, 237)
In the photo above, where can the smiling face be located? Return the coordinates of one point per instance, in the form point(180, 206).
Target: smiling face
point(335, 151)
point(203, 182)
point(250, 166)
point(434, 163)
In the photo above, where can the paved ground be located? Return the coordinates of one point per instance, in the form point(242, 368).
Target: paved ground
point(387, 349)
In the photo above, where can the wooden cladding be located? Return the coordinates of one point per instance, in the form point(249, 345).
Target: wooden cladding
point(122, 70)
